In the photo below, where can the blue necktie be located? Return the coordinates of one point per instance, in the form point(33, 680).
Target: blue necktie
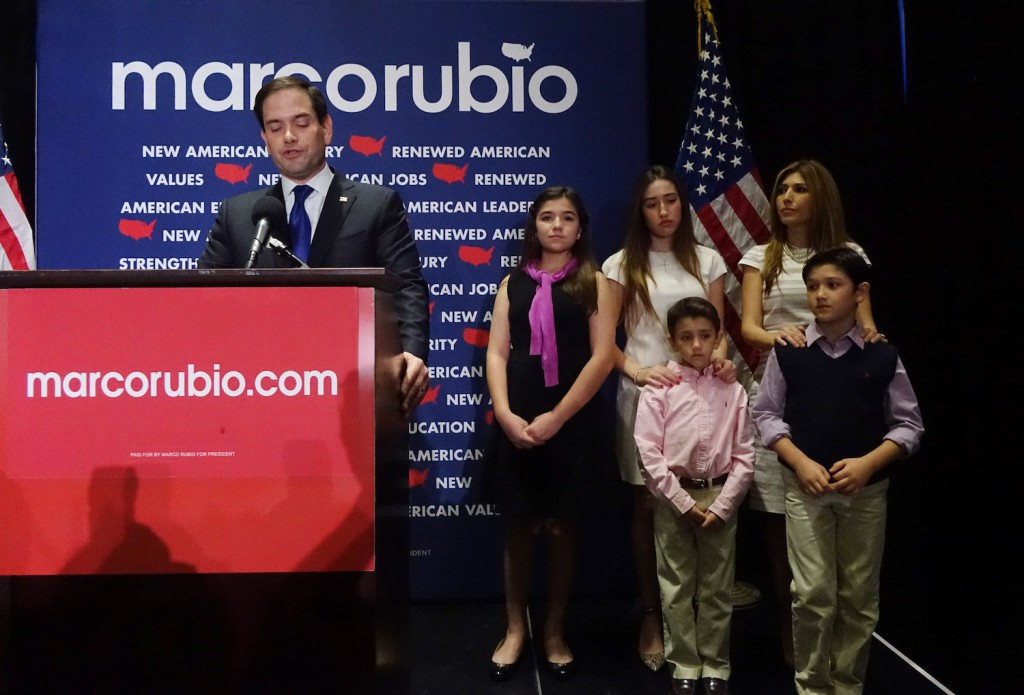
point(298, 220)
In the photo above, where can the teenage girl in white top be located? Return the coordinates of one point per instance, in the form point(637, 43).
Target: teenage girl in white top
point(659, 264)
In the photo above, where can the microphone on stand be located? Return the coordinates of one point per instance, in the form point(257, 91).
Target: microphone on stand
point(279, 247)
point(268, 213)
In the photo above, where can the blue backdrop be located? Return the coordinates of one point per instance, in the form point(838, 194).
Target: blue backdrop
point(468, 109)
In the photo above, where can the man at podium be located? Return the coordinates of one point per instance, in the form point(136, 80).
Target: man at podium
point(315, 216)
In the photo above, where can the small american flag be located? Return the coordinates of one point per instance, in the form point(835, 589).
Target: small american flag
point(727, 201)
point(15, 231)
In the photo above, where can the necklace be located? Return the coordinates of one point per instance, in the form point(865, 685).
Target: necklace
point(662, 259)
point(798, 254)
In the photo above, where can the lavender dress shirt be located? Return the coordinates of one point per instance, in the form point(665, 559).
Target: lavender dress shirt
point(902, 413)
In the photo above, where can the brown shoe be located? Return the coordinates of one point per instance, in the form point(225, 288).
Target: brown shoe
point(653, 660)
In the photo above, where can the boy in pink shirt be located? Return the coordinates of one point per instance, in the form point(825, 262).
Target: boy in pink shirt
point(696, 451)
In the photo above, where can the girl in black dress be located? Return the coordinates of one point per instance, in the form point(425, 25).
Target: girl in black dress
point(551, 347)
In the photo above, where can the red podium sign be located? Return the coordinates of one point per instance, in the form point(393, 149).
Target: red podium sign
point(166, 429)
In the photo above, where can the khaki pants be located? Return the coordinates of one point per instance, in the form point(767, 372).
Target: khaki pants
point(695, 565)
point(835, 552)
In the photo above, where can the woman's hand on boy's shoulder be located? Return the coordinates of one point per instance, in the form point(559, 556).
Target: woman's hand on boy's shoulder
point(725, 369)
point(657, 375)
point(870, 334)
point(791, 334)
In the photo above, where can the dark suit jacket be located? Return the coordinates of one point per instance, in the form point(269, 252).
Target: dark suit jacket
point(361, 226)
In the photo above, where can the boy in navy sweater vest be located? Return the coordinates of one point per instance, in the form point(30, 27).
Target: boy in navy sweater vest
point(837, 412)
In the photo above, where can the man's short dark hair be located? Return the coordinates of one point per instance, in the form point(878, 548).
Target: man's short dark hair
point(290, 82)
point(693, 308)
point(851, 263)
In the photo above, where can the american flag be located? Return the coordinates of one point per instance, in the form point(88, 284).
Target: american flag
point(728, 205)
point(19, 252)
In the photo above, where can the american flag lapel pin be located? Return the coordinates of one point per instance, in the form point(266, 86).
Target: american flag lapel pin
point(343, 199)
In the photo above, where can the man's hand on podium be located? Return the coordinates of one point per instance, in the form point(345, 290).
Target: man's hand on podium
point(414, 382)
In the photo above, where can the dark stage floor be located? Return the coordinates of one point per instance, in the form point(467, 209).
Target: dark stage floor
point(185, 647)
point(227, 635)
point(452, 644)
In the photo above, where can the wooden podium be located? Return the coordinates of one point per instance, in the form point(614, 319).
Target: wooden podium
point(204, 480)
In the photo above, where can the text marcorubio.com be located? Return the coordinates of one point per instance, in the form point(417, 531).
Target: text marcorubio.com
point(188, 383)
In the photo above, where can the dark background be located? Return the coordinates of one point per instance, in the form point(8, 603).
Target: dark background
point(928, 173)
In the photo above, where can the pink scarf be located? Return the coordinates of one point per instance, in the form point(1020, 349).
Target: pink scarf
point(542, 318)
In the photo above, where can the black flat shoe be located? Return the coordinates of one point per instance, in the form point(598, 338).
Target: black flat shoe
point(502, 672)
point(563, 671)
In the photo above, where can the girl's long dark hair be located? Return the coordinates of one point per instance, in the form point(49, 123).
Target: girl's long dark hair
point(582, 282)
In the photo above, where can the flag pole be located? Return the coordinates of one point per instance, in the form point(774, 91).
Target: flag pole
point(728, 205)
point(703, 9)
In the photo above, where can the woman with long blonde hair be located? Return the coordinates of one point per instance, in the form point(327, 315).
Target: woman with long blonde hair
point(806, 217)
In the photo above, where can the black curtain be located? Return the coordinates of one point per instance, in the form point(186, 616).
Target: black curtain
point(929, 179)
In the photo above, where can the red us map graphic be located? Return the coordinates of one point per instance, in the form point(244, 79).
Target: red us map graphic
point(477, 337)
point(474, 255)
point(232, 173)
point(450, 173)
point(417, 477)
point(366, 145)
point(431, 395)
point(136, 229)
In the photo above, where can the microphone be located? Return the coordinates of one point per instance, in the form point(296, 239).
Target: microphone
point(279, 247)
point(268, 212)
